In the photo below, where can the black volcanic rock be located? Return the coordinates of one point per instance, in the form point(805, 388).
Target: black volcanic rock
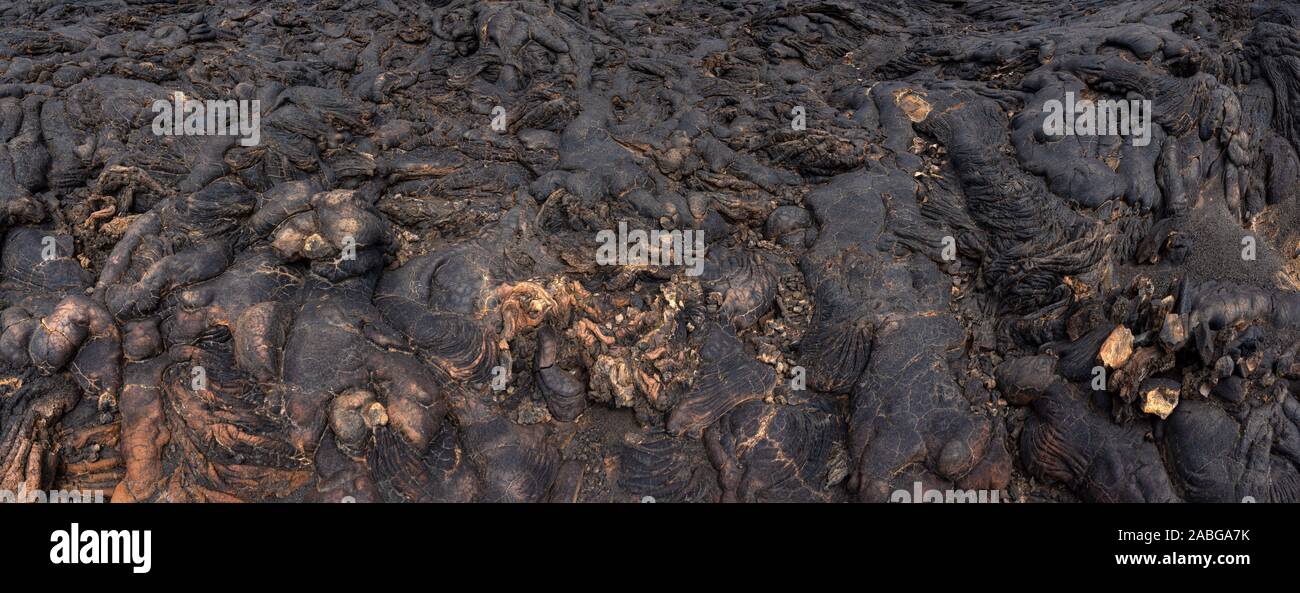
point(780, 250)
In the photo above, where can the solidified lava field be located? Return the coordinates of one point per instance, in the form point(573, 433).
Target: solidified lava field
point(394, 279)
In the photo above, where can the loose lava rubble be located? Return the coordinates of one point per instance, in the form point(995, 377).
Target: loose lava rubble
point(969, 302)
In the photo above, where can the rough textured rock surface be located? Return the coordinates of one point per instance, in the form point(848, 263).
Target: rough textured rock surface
point(395, 294)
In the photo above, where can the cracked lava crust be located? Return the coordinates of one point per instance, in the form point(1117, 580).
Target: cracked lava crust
point(394, 295)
